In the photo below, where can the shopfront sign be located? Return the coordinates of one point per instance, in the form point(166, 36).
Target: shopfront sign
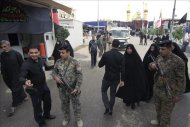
point(12, 12)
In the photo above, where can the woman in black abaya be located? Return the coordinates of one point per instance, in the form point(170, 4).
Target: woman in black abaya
point(177, 51)
point(133, 75)
point(152, 52)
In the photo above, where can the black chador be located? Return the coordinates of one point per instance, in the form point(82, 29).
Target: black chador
point(177, 51)
point(133, 75)
point(152, 52)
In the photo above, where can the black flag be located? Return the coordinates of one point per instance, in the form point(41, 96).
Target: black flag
point(183, 19)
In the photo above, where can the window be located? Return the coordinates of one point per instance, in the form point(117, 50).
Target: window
point(47, 37)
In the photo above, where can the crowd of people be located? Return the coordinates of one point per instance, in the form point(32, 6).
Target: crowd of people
point(162, 74)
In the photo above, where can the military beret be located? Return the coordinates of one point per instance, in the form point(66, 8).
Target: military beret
point(64, 47)
point(165, 43)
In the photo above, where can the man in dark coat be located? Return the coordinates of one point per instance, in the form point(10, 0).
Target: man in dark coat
point(93, 47)
point(112, 60)
point(11, 62)
point(33, 77)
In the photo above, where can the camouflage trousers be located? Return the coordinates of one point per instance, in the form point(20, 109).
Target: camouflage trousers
point(164, 107)
point(65, 104)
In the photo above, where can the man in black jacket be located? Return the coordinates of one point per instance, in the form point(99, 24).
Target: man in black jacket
point(11, 62)
point(112, 60)
point(33, 77)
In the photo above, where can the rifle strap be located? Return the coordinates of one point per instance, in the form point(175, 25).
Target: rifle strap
point(67, 68)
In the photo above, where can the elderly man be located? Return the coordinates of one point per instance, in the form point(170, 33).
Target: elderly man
point(11, 62)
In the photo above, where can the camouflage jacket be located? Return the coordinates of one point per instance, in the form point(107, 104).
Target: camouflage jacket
point(73, 74)
point(173, 69)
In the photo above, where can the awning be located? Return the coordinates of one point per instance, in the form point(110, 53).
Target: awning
point(46, 3)
point(38, 22)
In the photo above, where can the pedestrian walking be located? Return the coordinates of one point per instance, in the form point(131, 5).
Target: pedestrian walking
point(93, 47)
point(133, 77)
point(177, 51)
point(112, 60)
point(109, 40)
point(33, 77)
point(186, 41)
point(145, 39)
point(11, 62)
point(67, 73)
point(104, 41)
point(100, 45)
point(141, 36)
point(169, 83)
point(152, 52)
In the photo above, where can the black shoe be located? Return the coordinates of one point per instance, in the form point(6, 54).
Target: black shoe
point(50, 117)
point(110, 113)
point(127, 104)
point(106, 111)
point(43, 125)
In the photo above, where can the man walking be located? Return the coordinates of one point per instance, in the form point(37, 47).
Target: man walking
point(186, 41)
point(33, 77)
point(68, 74)
point(11, 62)
point(169, 83)
point(112, 60)
point(93, 47)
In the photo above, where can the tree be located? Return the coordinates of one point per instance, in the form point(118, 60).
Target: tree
point(61, 33)
point(179, 32)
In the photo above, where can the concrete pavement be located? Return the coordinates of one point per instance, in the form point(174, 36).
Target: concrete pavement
point(92, 106)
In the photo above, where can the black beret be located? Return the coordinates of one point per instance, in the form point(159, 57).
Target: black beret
point(64, 47)
point(165, 43)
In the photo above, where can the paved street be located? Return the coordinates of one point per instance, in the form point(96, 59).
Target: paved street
point(92, 106)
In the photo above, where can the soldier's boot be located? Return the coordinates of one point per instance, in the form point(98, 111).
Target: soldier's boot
point(65, 123)
point(154, 122)
point(80, 123)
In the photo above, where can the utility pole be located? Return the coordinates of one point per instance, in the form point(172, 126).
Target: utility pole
point(98, 17)
point(172, 24)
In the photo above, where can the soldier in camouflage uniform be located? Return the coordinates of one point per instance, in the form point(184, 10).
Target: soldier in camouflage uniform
point(67, 73)
point(169, 83)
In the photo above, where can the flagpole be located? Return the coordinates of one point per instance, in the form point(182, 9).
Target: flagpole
point(98, 18)
point(172, 24)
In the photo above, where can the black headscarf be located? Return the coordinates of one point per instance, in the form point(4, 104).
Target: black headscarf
point(150, 74)
point(149, 52)
point(134, 76)
point(178, 51)
point(133, 57)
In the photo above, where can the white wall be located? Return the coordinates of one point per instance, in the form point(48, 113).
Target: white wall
point(75, 30)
